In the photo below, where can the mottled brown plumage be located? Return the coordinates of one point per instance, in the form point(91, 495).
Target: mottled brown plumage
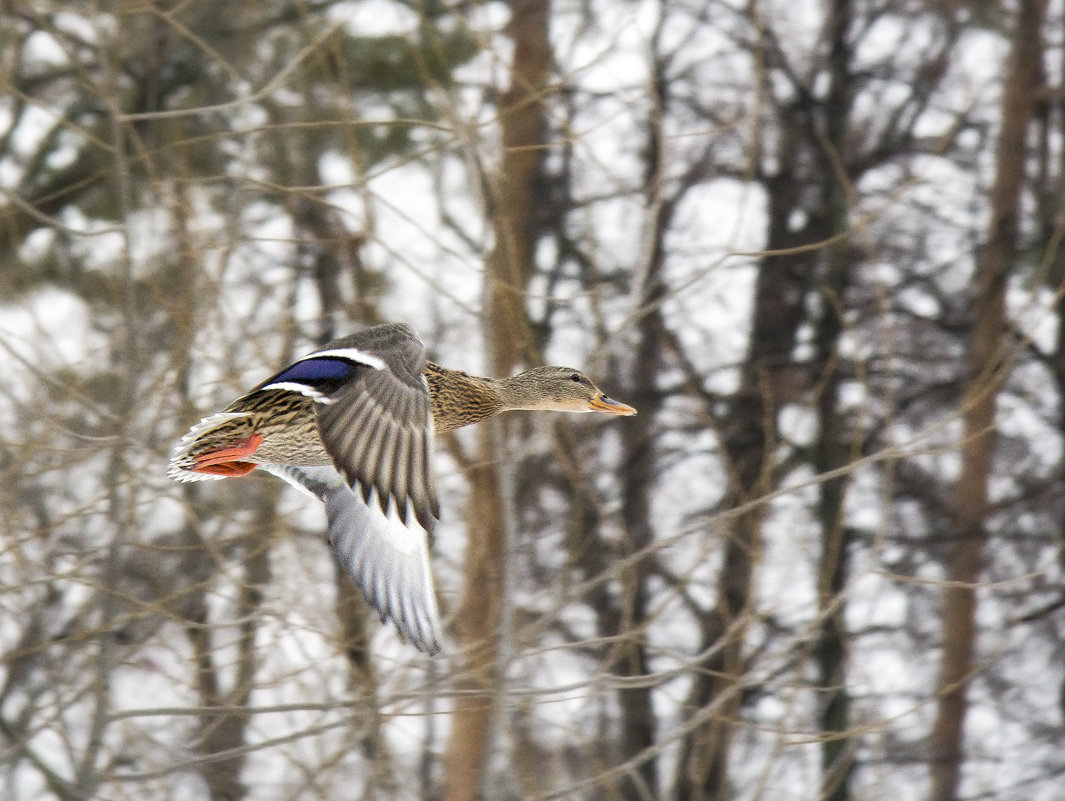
point(459, 399)
point(286, 421)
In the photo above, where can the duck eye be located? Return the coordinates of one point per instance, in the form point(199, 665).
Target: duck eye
point(575, 377)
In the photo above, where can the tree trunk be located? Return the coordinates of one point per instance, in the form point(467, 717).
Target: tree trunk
point(225, 716)
point(748, 439)
point(832, 450)
point(509, 267)
point(638, 726)
point(985, 373)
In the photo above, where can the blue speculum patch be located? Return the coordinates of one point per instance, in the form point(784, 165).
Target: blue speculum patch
point(315, 371)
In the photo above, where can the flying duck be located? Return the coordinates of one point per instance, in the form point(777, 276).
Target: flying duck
point(352, 424)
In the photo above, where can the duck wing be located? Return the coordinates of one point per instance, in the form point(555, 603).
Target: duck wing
point(386, 558)
point(374, 416)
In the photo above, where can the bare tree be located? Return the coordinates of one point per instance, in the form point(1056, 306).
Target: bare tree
point(987, 365)
point(513, 194)
point(757, 224)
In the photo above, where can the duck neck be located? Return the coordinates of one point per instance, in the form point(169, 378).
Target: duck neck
point(521, 391)
point(459, 399)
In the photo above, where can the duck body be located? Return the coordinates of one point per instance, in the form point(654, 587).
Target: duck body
point(352, 424)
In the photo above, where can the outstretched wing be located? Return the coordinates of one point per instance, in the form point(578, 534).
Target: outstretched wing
point(387, 559)
point(374, 416)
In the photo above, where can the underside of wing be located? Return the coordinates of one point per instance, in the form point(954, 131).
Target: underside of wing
point(387, 559)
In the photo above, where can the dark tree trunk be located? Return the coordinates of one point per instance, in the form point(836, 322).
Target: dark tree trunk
point(833, 450)
point(985, 374)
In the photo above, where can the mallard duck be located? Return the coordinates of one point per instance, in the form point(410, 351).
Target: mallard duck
point(352, 424)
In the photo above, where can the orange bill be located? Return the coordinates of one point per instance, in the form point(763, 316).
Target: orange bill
point(601, 403)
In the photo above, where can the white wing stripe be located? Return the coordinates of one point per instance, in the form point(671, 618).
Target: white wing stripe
point(293, 386)
point(351, 354)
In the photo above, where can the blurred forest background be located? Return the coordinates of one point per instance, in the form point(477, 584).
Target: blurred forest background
point(816, 244)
